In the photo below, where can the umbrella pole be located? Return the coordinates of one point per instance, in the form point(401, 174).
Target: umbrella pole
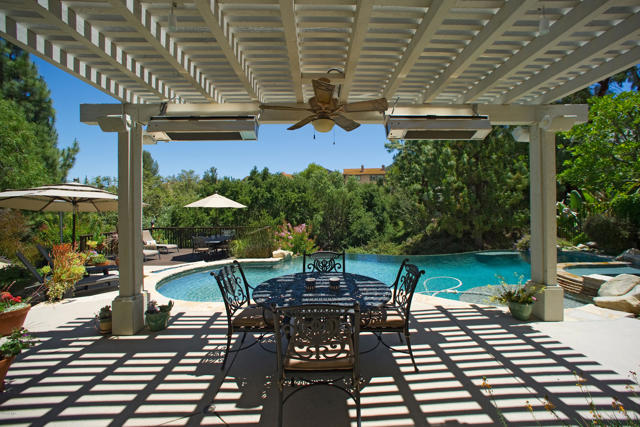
point(73, 232)
point(60, 214)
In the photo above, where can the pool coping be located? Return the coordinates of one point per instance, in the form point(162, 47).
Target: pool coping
point(575, 284)
point(152, 279)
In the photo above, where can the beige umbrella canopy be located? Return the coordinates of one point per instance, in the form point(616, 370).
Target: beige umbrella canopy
point(70, 197)
point(215, 201)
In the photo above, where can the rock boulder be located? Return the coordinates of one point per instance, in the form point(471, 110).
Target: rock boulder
point(629, 302)
point(281, 253)
point(619, 285)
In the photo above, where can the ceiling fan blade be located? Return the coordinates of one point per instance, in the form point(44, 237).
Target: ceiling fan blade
point(379, 104)
point(323, 90)
point(281, 107)
point(344, 122)
point(303, 122)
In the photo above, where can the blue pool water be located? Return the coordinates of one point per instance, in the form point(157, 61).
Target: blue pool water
point(473, 269)
point(604, 270)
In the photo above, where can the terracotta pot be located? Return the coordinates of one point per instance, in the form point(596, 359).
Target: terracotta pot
point(104, 326)
point(520, 311)
point(10, 320)
point(4, 367)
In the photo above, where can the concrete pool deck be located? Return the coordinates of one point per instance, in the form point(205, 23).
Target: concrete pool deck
point(173, 377)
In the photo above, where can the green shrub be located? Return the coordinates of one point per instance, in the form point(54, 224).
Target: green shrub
point(609, 234)
point(257, 244)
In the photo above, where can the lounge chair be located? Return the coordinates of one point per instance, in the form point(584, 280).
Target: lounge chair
point(85, 284)
point(45, 254)
point(151, 244)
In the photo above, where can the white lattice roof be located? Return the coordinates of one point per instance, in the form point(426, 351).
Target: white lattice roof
point(419, 52)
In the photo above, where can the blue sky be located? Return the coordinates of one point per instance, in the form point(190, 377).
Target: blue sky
point(276, 148)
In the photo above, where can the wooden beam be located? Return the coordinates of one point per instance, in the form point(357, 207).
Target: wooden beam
point(33, 43)
point(501, 22)
point(287, 13)
point(427, 29)
point(141, 20)
point(619, 63)
point(574, 21)
point(628, 30)
point(208, 12)
point(91, 38)
point(358, 33)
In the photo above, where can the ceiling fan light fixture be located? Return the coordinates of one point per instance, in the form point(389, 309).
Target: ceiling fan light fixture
point(323, 125)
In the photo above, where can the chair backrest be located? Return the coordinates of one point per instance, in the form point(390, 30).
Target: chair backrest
point(147, 238)
point(233, 287)
point(198, 241)
point(323, 262)
point(317, 333)
point(405, 285)
point(45, 254)
point(30, 267)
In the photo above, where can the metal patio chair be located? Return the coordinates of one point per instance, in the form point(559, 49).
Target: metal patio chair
point(321, 349)
point(242, 316)
point(394, 316)
point(323, 262)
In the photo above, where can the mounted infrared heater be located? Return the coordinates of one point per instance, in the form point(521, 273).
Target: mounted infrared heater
point(201, 128)
point(437, 127)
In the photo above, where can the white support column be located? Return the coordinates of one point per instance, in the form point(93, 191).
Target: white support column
point(549, 305)
point(129, 306)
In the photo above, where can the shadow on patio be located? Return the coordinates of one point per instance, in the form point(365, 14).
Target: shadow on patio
point(173, 377)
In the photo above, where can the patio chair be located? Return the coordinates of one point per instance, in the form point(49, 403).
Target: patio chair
point(321, 349)
point(242, 315)
point(45, 254)
point(323, 261)
point(87, 283)
point(150, 243)
point(394, 317)
point(199, 245)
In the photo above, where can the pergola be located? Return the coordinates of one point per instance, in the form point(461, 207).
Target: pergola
point(508, 60)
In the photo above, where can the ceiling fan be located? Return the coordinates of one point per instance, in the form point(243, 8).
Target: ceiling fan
point(326, 109)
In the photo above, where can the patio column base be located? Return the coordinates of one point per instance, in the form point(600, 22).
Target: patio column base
point(549, 304)
point(128, 313)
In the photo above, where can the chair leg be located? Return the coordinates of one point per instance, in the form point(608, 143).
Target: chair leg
point(400, 337)
point(226, 353)
point(280, 391)
point(406, 337)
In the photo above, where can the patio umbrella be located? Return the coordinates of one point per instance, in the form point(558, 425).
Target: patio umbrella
point(70, 197)
point(215, 201)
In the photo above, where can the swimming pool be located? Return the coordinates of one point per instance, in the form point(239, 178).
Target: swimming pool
point(606, 270)
point(473, 269)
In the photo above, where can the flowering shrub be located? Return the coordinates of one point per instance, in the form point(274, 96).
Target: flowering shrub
point(10, 302)
point(95, 258)
point(295, 239)
point(68, 268)
point(105, 313)
point(515, 293)
point(13, 344)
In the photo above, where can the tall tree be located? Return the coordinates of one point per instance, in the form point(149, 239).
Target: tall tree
point(20, 83)
point(462, 194)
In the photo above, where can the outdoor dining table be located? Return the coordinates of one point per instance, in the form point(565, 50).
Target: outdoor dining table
point(290, 290)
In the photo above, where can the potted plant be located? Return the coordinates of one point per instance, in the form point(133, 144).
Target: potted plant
point(103, 320)
point(10, 347)
point(157, 316)
point(519, 298)
point(13, 311)
point(68, 269)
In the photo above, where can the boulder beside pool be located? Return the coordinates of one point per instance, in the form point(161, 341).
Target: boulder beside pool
point(621, 293)
point(619, 285)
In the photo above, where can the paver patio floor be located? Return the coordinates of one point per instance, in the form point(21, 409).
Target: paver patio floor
point(173, 377)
